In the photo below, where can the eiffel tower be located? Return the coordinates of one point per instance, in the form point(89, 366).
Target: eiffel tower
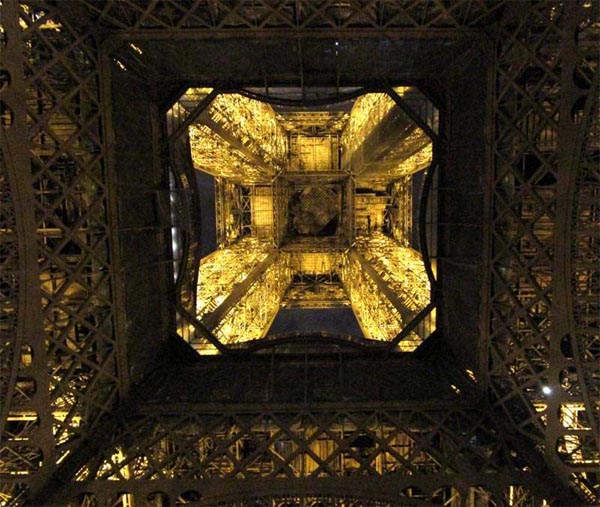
point(299, 253)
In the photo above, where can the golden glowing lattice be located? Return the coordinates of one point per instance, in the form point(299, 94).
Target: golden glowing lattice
point(242, 286)
point(253, 314)
point(401, 222)
point(367, 112)
point(401, 267)
point(181, 110)
point(574, 417)
point(416, 162)
point(255, 124)
point(378, 318)
point(221, 270)
point(212, 154)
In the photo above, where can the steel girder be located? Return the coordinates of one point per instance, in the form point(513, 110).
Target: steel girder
point(63, 364)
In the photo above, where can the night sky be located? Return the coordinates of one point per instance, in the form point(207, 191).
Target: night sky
point(329, 320)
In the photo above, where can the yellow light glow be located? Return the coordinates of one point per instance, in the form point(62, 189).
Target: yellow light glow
point(416, 162)
point(221, 270)
point(573, 416)
point(255, 124)
point(367, 111)
point(250, 318)
point(242, 142)
point(377, 317)
point(135, 48)
point(402, 267)
point(402, 90)
point(214, 155)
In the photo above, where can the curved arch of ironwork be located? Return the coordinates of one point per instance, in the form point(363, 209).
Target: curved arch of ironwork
point(324, 101)
point(321, 338)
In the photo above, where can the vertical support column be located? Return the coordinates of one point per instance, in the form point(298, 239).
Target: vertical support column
point(350, 215)
point(220, 212)
point(33, 456)
point(117, 287)
point(571, 425)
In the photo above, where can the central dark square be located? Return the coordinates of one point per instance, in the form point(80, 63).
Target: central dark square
point(315, 211)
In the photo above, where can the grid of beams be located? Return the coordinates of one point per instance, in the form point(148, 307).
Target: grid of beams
point(69, 369)
point(543, 288)
point(300, 15)
point(544, 281)
point(422, 451)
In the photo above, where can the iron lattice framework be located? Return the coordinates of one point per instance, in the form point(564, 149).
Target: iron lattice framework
point(66, 381)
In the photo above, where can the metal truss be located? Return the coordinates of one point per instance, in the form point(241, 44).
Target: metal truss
point(402, 268)
point(255, 306)
point(238, 138)
point(63, 360)
point(377, 315)
point(411, 455)
point(542, 269)
point(300, 15)
point(400, 225)
point(232, 208)
point(375, 127)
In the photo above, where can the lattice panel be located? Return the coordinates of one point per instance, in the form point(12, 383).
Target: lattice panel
point(524, 220)
point(70, 211)
point(418, 448)
point(286, 14)
point(534, 143)
point(514, 495)
point(378, 318)
point(224, 268)
point(69, 186)
point(231, 212)
point(398, 219)
point(254, 312)
point(579, 442)
point(183, 112)
point(18, 422)
point(401, 267)
point(9, 287)
point(25, 450)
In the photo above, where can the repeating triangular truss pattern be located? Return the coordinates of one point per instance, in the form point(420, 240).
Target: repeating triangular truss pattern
point(58, 334)
point(70, 359)
point(546, 174)
point(71, 222)
point(291, 14)
point(15, 355)
point(9, 272)
point(422, 452)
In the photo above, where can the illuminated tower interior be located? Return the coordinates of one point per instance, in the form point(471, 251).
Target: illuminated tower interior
point(315, 219)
